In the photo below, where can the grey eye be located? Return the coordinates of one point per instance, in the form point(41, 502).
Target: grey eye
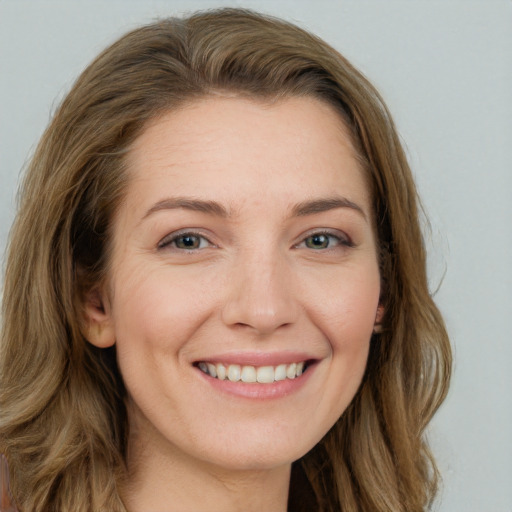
point(184, 241)
point(188, 241)
point(318, 241)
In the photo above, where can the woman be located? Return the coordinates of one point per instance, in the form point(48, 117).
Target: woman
point(215, 291)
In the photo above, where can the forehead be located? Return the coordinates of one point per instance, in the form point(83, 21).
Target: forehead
point(238, 145)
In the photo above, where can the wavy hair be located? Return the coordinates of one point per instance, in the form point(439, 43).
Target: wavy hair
point(63, 423)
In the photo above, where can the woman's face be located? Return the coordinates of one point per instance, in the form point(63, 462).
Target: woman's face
point(244, 249)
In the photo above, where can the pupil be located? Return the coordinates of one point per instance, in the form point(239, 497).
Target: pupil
point(319, 241)
point(188, 241)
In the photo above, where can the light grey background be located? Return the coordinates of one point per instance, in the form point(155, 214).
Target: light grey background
point(445, 69)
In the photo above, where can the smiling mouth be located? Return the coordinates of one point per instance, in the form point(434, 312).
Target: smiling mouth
point(252, 374)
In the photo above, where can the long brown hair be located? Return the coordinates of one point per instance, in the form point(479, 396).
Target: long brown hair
point(63, 419)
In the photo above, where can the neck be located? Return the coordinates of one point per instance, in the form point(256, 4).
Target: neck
point(161, 478)
point(190, 492)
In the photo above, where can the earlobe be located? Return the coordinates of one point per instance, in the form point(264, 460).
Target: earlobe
point(98, 327)
point(377, 326)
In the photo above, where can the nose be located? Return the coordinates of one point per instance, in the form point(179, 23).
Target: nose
point(261, 294)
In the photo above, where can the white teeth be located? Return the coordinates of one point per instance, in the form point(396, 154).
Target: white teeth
point(251, 374)
point(291, 371)
point(265, 374)
point(211, 369)
point(280, 372)
point(248, 374)
point(221, 371)
point(233, 372)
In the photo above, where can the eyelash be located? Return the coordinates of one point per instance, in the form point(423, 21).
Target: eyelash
point(170, 241)
point(339, 238)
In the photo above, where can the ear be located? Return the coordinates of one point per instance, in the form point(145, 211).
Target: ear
point(379, 315)
point(98, 326)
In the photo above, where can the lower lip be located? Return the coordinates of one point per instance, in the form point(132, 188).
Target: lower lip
point(278, 389)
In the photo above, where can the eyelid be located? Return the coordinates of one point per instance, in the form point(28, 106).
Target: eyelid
point(342, 237)
point(167, 240)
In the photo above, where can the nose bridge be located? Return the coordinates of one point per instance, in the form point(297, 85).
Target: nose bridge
point(261, 292)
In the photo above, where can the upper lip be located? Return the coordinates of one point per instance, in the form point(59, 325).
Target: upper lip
point(258, 358)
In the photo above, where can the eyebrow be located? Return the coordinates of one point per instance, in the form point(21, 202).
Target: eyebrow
point(324, 205)
point(196, 205)
point(302, 209)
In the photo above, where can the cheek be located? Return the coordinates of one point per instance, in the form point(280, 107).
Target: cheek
point(156, 312)
point(348, 321)
point(155, 316)
point(347, 305)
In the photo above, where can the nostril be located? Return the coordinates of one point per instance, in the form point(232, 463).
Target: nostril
point(261, 295)
point(262, 320)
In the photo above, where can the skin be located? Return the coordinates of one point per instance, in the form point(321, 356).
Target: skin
point(258, 282)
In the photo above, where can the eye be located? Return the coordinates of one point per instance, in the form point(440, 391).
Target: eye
point(322, 241)
point(319, 241)
point(184, 241)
